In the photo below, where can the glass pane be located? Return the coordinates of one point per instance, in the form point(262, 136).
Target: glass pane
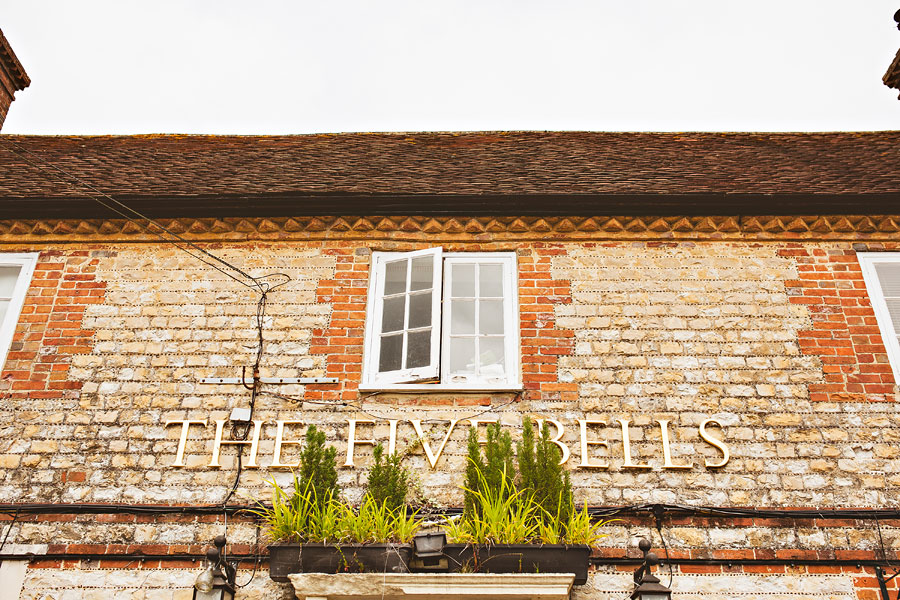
point(893, 306)
point(889, 278)
point(8, 276)
point(395, 277)
point(392, 316)
point(490, 316)
point(4, 306)
point(490, 279)
point(391, 353)
point(462, 316)
point(418, 349)
point(462, 355)
point(492, 357)
point(463, 280)
point(419, 310)
point(421, 273)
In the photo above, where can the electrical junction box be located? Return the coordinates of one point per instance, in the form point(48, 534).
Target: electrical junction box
point(240, 415)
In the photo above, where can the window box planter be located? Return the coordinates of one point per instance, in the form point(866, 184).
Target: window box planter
point(520, 558)
point(285, 559)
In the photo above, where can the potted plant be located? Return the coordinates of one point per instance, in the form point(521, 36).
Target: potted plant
point(314, 530)
point(523, 524)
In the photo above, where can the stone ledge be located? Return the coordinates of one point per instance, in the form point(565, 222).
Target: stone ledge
point(432, 586)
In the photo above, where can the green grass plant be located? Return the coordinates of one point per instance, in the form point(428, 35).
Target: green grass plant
point(500, 514)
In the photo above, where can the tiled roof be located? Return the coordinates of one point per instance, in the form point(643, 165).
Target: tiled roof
point(492, 163)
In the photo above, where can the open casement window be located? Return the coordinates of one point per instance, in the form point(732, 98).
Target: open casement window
point(405, 304)
point(442, 321)
point(15, 276)
point(881, 272)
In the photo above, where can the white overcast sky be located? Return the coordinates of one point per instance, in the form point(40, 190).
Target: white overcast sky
point(204, 66)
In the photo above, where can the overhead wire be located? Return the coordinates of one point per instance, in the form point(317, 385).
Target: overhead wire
point(258, 283)
point(75, 182)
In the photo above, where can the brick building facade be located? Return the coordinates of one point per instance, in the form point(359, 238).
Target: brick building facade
point(714, 282)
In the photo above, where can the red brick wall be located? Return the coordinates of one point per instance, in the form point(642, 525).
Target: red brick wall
point(844, 332)
point(50, 329)
point(542, 343)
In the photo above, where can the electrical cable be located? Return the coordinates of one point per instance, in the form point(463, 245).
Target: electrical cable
point(358, 407)
point(73, 180)
point(9, 529)
point(658, 516)
point(258, 283)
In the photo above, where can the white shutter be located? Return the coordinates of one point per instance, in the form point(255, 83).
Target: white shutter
point(881, 272)
point(403, 327)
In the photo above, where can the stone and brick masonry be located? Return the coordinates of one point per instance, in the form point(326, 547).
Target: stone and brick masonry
point(772, 335)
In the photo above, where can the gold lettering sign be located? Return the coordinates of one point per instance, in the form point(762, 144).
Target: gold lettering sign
point(279, 442)
point(182, 441)
point(716, 442)
point(352, 441)
point(432, 457)
point(626, 448)
point(667, 453)
point(219, 442)
point(587, 444)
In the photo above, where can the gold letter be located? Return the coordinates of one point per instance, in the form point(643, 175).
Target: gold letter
point(432, 458)
point(254, 444)
point(712, 441)
point(626, 448)
point(667, 454)
point(476, 422)
point(585, 459)
point(563, 449)
point(182, 441)
point(392, 437)
point(352, 441)
point(279, 442)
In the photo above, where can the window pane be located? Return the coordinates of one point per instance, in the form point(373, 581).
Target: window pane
point(420, 310)
point(490, 316)
point(889, 278)
point(8, 276)
point(462, 316)
point(492, 356)
point(391, 353)
point(392, 316)
point(422, 268)
point(463, 279)
point(418, 349)
point(893, 306)
point(395, 277)
point(462, 356)
point(490, 279)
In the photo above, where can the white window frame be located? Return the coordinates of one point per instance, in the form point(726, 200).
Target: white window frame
point(867, 262)
point(26, 262)
point(370, 379)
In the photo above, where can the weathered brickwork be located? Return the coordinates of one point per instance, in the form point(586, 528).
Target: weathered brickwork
point(773, 339)
point(618, 330)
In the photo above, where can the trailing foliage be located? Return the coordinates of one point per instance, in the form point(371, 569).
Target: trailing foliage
point(496, 471)
point(318, 467)
point(388, 480)
point(542, 476)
